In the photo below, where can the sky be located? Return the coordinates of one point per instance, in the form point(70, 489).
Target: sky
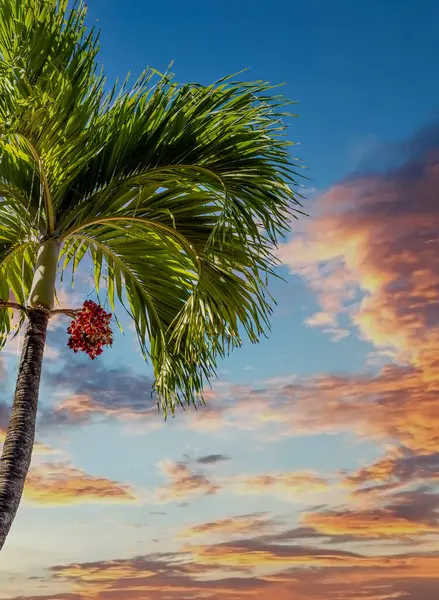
point(313, 471)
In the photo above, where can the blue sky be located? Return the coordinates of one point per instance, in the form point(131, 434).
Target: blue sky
point(363, 72)
point(322, 436)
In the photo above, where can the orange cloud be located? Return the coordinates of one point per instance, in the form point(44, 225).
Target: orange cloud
point(60, 483)
point(403, 567)
point(231, 526)
point(81, 407)
point(346, 574)
point(413, 512)
point(370, 252)
point(183, 483)
point(394, 405)
point(150, 576)
point(252, 554)
point(285, 572)
point(365, 523)
point(285, 485)
point(397, 469)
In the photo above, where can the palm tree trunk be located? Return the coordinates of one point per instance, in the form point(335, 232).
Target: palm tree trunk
point(17, 448)
point(20, 435)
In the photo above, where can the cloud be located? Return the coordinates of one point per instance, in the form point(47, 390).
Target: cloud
point(212, 459)
point(186, 482)
point(390, 521)
point(369, 253)
point(285, 485)
point(90, 392)
point(393, 405)
point(183, 483)
point(150, 576)
point(329, 324)
point(284, 572)
point(62, 484)
point(319, 319)
point(39, 448)
point(252, 524)
point(251, 553)
point(397, 469)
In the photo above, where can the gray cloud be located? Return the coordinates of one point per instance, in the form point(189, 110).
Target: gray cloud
point(109, 392)
point(211, 459)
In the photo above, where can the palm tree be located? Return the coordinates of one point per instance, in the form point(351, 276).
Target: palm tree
point(178, 193)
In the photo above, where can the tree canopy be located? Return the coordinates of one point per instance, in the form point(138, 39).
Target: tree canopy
point(178, 192)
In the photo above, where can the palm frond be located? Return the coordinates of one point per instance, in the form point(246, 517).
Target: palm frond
point(226, 138)
point(17, 261)
point(189, 305)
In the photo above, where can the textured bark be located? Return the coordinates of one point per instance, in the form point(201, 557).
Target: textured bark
point(17, 449)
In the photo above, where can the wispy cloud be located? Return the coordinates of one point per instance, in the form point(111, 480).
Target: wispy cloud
point(183, 483)
point(186, 482)
point(237, 525)
point(61, 484)
point(284, 485)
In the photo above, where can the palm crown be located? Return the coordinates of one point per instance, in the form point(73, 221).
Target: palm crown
point(177, 192)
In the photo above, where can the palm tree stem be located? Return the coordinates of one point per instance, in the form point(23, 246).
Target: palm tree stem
point(69, 312)
point(17, 448)
point(15, 305)
point(43, 286)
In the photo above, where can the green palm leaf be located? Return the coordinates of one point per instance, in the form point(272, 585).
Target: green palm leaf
point(16, 271)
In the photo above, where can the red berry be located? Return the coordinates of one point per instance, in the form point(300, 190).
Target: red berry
point(90, 331)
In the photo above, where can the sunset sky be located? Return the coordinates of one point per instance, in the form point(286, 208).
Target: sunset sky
point(313, 471)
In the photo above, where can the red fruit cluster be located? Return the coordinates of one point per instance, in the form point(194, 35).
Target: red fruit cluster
point(91, 330)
